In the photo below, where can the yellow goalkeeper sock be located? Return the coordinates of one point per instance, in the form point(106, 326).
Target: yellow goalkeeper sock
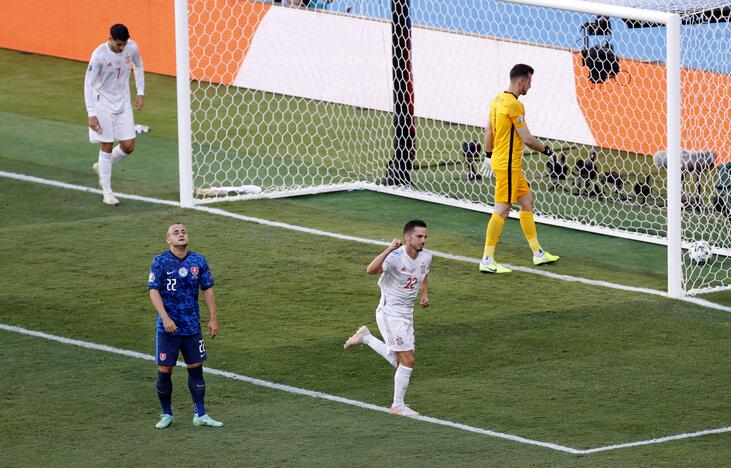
point(492, 234)
point(529, 230)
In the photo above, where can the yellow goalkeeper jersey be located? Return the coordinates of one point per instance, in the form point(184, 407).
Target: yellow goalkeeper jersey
point(506, 114)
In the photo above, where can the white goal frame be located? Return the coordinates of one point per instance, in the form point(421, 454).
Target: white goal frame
point(673, 241)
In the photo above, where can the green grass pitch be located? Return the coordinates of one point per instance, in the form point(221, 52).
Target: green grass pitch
point(526, 355)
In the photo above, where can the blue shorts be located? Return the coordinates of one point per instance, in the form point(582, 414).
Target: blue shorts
point(167, 347)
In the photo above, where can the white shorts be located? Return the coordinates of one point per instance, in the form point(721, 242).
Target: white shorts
point(397, 332)
point(115, 126)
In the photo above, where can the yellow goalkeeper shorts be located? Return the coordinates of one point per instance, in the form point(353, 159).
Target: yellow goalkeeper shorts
point(509, 189)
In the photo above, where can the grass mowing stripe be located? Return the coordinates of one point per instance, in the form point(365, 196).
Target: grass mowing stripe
point(318, 232)
point(287, 388)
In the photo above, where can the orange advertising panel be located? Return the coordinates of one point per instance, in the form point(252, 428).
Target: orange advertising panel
point(228, 27)
point(73, 29)
point(628, 112)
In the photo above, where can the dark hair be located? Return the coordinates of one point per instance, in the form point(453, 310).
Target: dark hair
point(520, 70)
point(414, 223)
point(119, 32)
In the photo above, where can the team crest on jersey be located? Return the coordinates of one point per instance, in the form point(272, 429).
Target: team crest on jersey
point(404, 269)
point(163, 356)
point(423, 268)
point(194, 271)
point(109, 64)
point(126, 59)
point(151, 278)
point(183, 272)
point(399, 341)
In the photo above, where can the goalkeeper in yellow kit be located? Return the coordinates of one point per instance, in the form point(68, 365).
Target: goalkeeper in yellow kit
point(505, 135)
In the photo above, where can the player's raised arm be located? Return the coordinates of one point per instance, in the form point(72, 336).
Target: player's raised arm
point(376, 266)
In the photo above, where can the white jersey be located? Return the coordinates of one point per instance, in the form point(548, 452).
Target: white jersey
point(401, 280)
point(106, 86)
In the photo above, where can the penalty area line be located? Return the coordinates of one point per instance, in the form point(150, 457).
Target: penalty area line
point(317, 232)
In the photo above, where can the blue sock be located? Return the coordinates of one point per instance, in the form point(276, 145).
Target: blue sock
point(165, 390)
point(197, 389)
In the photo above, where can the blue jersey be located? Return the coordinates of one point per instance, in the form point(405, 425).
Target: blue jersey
point(178, 282)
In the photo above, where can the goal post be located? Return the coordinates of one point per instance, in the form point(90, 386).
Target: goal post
point(392, 96)
point(182, 77)
point(674, 230)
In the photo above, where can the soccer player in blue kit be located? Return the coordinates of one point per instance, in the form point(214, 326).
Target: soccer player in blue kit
point(175, 278)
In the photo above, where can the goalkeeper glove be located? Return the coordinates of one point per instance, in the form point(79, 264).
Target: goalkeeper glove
point(488, 154)
point(548, 151)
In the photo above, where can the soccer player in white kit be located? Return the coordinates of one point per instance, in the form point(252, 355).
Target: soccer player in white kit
point(404, 272)
point(108, 103)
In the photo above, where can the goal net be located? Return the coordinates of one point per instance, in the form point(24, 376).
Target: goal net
point(304, 97)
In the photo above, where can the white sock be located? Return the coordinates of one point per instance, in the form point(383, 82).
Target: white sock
point(105, 172)
point(118, 154)
point(539, 253)
point(400, 384)
point(381, 348)
point(487, 260)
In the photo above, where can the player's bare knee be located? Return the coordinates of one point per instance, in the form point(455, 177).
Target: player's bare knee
point(502, 211)
point(194, 365)
point(407, 360)
point(106, 147)
point(127, 146)
point(526, 203)
point(165, 369)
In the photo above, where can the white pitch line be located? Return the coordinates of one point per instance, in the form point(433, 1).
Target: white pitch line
point(317, 232)
point(360, 404)
point(460, 258)
point(659, 440)
point(81, 188)
point(288, 388)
